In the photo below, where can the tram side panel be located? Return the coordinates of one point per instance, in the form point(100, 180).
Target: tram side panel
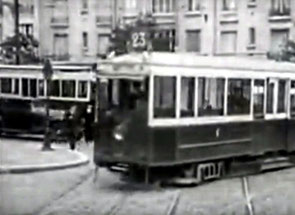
point(209, 142)
point(269, 136)
point(291, 135)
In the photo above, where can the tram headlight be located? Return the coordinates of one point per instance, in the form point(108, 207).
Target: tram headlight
point(118, 136)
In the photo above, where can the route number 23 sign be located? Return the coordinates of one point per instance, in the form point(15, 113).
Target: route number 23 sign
point(139, 40)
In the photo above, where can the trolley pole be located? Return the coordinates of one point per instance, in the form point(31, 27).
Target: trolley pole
point(16, 9)
point(47, 72)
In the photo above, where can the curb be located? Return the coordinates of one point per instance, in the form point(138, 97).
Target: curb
point(14, 169)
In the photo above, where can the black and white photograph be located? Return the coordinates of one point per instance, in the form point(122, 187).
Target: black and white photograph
point(147, 107)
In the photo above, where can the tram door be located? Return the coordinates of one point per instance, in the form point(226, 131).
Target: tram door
point(291, 121)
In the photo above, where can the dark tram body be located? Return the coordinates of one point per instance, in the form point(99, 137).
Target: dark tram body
point(24, 94)
point(193, 116)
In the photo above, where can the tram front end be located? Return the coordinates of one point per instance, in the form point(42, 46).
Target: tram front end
point(122, 133)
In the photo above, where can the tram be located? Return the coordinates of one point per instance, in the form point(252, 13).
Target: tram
point(195, 118)
point(23, 94)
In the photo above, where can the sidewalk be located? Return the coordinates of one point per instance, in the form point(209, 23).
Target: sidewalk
point(25, 155)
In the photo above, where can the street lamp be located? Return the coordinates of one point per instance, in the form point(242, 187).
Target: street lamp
point(47, 72)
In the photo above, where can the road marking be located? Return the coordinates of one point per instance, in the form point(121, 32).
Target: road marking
point(247, 195)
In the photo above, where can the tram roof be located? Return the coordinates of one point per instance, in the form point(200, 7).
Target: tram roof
point(122, 66)
point(40, 67)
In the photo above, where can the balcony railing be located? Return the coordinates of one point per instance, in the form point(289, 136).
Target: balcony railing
point(104, 20)
point(285, 11)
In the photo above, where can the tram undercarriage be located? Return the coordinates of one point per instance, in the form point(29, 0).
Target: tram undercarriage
point(198, 173)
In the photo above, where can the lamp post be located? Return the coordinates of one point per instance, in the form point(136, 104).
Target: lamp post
point(47, 72)
point(16, 9)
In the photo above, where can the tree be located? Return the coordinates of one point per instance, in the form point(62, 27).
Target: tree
point(28, 49)
point(286, 52)
point(135, 36)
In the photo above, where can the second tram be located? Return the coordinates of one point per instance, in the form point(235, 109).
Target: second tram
point(23, 93)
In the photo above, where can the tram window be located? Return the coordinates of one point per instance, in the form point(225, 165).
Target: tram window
point(292, 103)
point(270, 96)
point(187, 96)
point(41, 87)
point(6, 85)
point(239, 94)
point(258, 97)
point(33, 87)
point(82, 89)
point(164, 96)
point(68, 88)
point(16, 86)
point(211, 96)
point(25, 84)
point(282, 96)
point(54, 88)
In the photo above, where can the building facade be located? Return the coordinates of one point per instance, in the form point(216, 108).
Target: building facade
point(28, 18)
point(81, 29)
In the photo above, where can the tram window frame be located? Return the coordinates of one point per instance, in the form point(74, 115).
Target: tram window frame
point(25, 87)
point(54, 88)
point(82, 93)
point(239, 109)
point(15, 89)
point(259, 97)
point(41, 87)
point(292, 98)
point(282, 102)
point(9, 89)
point(270, 96)
point(32, 88)
point(160, 93)
point(187, 106)
point(68, 88)
point(205, 105)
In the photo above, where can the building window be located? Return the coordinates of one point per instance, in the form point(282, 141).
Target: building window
point(103, 41)
point(280, 8)
point(228, 42)
point(252, 36)
point(130, 4)
point(85, 40)
point(60, 11)
point(187, 97)
point(163, 6)
point(163, 40)
point(61, 47)
point(84, 4)
point(164, 97)
point(211, 96)
point(239, 94)
point(193, 41)
point(194, 5)
point(228, 5)
point(278, 39)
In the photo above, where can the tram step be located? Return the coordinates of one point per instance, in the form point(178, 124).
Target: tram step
point(119, 168)
point(276, 163)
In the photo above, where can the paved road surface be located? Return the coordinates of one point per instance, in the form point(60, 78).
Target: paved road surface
point(72, 191)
